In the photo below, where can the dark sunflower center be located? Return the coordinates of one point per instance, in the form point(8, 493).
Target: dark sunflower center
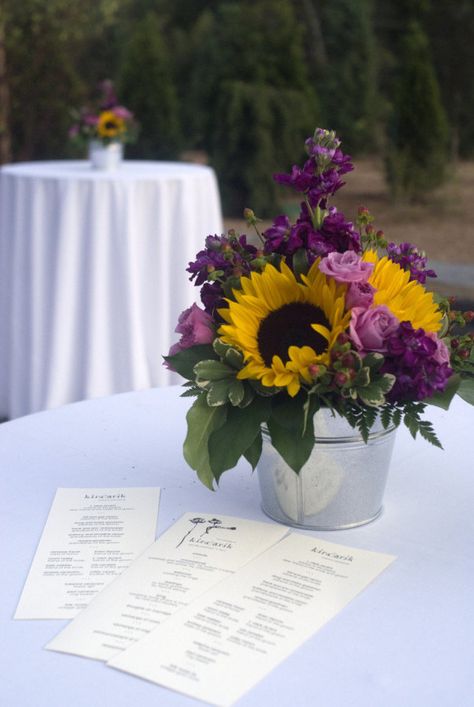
point(291, 326)
point(111, 125)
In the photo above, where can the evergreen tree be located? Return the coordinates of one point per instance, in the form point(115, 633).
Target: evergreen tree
point(253, 101)
point(418, 132)
point(147, 88)
point(451, 28)
point(347, 77)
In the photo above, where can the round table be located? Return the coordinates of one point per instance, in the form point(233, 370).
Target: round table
point(93, 275)
point(405, 640)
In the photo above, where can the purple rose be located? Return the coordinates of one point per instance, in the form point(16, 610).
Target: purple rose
point(195, 327)
point(441, 355)
point(346, 267)
point(359, 294)
point(370, 328)
point(121, 112)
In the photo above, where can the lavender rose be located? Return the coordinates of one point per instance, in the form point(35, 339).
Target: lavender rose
point(370, 328)
point(359, 294)
point(346, 267)
point(195, 327)
point(441, 355)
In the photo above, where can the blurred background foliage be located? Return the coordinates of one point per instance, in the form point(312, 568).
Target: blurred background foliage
point(241, 83)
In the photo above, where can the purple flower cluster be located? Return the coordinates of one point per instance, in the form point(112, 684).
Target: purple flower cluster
point(224, 259)
point(334, 235)
point(419, 363)
point(320, 176)
point(409, 258)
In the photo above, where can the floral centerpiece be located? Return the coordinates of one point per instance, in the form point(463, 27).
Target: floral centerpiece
point(108, 122)
point(319, 313)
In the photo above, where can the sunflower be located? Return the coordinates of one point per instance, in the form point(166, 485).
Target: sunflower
point(283, 326)
point(408, 301)
point(110, 125)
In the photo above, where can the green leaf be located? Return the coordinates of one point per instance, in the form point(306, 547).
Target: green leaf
point(373, 361)
point(234, 358)
point(231, 440)
point(362, 377)
point(248, 396)
point(300, 263)
point(253, 453)
point(202, 422)
point(212, 370)
point(386, 382)
point(466, 390)
point(294, 449)
point(191, 393)
point(183, 362)
point(427, 432)
point(263, 390)
point(386, 417)
point(219, 347)
point(218, 393)
point(372, 395)
point(236, 392)
point(443, 400)
point(289, 412)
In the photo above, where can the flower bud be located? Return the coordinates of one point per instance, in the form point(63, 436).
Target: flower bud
point(343, 338)
point(348, 360)
point(341, 378)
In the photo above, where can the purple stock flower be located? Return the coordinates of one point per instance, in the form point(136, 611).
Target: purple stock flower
point(109, 97)
point(223, 258)
point(320, 176)
point(277, 234)
point(301, 180)
point(339, 232)
point(409, 258)
point(413, 358)
point(335, 234)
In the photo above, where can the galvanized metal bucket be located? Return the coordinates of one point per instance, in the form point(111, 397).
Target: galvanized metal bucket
point(105, 157)
point(341, 485)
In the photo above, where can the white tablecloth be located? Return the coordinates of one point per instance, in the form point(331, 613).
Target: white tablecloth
point(405, 641)
point(93, 275)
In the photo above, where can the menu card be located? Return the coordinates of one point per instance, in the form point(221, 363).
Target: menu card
point(227, 640)
point(192, 556)
point(91, 535)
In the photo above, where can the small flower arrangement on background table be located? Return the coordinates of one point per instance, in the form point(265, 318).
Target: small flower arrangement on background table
point(109, 122)
point(321, 313)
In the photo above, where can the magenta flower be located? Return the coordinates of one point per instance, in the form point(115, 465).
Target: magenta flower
point(359, 294)
point(122, 112)
point(195, 327)
point(442, 354)
point(346, 267)
point(371, 328)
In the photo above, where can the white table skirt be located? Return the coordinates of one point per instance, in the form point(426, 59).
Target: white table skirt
point(405, 641)
point(93, 275)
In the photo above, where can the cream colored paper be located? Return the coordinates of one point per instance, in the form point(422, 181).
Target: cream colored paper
point(91, 535)
point(235, 634)
point(193, 555)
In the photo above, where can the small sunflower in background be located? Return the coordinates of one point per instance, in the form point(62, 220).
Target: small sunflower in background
point(110, 125)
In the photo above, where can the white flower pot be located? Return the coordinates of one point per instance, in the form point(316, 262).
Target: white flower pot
point(340, 486)
point(105, 157)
